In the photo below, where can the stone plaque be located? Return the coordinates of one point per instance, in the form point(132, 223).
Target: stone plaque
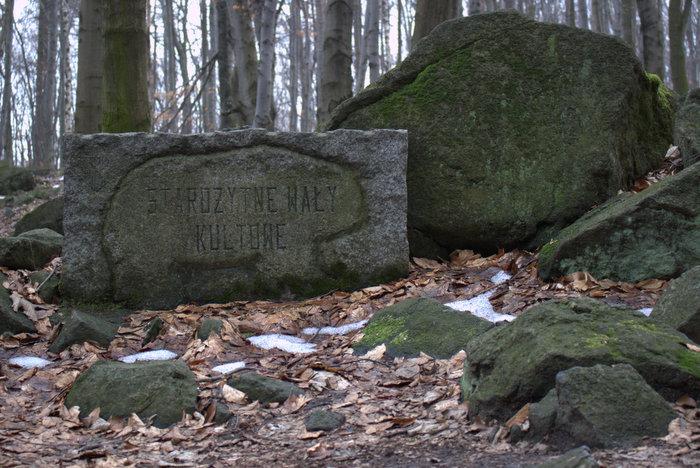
point(155, 220)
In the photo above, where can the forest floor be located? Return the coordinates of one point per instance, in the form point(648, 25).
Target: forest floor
point(400, 412)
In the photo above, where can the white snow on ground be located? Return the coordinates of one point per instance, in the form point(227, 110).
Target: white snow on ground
point(341, 330)
point(156, 355)
point(290, 344)
point(646, 311)
point(481, 307)
point(29, 362)
point(56, 186)
point(500, 277)
point(229, 367)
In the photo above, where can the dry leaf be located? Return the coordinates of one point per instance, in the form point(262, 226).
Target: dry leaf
point(233, 395)
point(375, 354)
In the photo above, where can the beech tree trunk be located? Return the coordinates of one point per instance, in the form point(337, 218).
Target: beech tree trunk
point(125, 105)
point(583, 14)
point(169, 65)
point(263, 97)
point(677, 23)
point(571, 13)
point(360, 46)
point(307, 71)
point(295, 60)
point(8, 19)
point(209, 93)
point(430, 13)
point(337, 58)
point(64, 75)
point(244, 81)
point(652, 40)
point(224, 62)
point(372, 39)
point(88, 105)
point(627, 16)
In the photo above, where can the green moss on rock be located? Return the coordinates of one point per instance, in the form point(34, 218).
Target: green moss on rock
point(48, 215)
point(420, 325)
point(30, 250)
point(679, 306)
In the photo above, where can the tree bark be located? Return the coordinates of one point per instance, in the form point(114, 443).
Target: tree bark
point(125, 105)
point(307, 70)
point(8, 20)
point(88, 106)
point(295, 61)
point(337, 58)
point(596, 16)
point(571, 13)
point(372, 39)
point(209, 94)
point(430, 13)
point(677, 23)
point(181, 45)
point(360, 46)
point(224, 62)
point(583, 14)
point(319, 7)
point(263, 97)
point(652, 40)
point(244, 82)
point(169, 65)
point(64, 80)
point(627, 15)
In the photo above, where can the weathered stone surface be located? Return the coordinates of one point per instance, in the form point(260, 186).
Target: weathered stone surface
point(323, 420)
point(164, 389)
point(579, 457)
point(48, 215)
point(80, 327)
point(153, 329)
point(11, 321)
point(264, 389)
point(516, 128)
point(14, 179)
point(512, 365)
point(679, 306)
point(651, 234)
point(160, 219)
point(30, 250)
point(50, 285)
point(608, 406)
point(420, 325)
point(207, 327)
point(687, 128)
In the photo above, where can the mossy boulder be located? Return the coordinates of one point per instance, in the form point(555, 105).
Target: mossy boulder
point(11, 321)
point(651, 234)
point(163, 390)
point(30, 250)
point(512, 365)
point(515, 127)
point(679, 306)
point(420, 325)
point(687, 128)
point(323, 420)
point(50, 285)
point(264, 389)
point(48, 215)
point(608, 406)
point(80, 327)
point(209, 326)
point(15, 179)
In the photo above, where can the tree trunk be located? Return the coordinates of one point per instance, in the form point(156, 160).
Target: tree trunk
point(43, 130)
point(307, 70)
point(652, 40)
point(337, 57)
point(295, 60)
point(181, 46)
point(224, 61)
point(319, 7)
point(209, 94)
point(430, 13)
point(263, 98)
point(596, 16)
point(571, 13)
point(8, 19)
point(583, 14)
point(474, 8)
point(125, 105)
point(627, 16)
point(64, 80)
point(372, 39)
point(360, 46)
point(244, 83)
point(169, 65)
point(88, 106)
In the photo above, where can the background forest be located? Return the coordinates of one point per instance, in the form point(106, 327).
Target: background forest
point(230, 63)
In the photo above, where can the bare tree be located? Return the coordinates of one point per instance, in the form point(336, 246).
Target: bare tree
point(125, 105)
point(224, 61)
point(263, 97)
point(571, 13)
point(583, 14)
point(430, 13)
point(209, 94)
point(8, 20)
point(677, 23)
point(372, 39)
point(360, 46)
point(627, 16)
point(295, 60)
point(64, 76)
point(337, 57)
point(88, 107)
point(244, 81)
point(652, 40)
point(307, 71)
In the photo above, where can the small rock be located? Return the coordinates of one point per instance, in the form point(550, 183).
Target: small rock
point(679, 306)
point(223, 414)
point(48, 215)
point(608, 406)
point(420, 325)
point(323, 420)
point(30, 250)
point(11, 321)
point(264, 389)
point(159, 389)
point(576, 458)
point(153, 329)
point(209, 326)
point(686, 132)
point(14, 179)
point(81, 327)
point(50, 285)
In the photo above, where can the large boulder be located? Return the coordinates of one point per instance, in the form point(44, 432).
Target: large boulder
point(15, 179)
point(679, 306)
point(11, 321)
point(48, 215)
point(159, 389)
point(512, 365)
point(516, 128)
point(420, 325)
point(651, 234)
point(687, 128)
point(30, 250)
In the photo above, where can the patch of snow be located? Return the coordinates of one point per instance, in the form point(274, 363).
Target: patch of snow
point(481, 307)
point(646, 311)
point(500, 277)
point(341, 330)
point(29, 362)
point(156, 355)
point(229, 367)
point(290, 344)
point(56, 186)
point(2, 197)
